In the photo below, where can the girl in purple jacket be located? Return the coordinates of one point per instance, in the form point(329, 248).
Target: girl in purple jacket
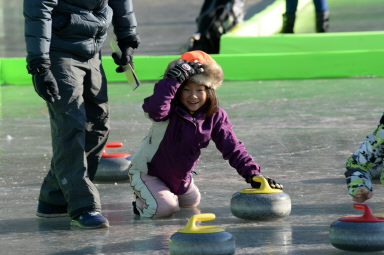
point(185, 117)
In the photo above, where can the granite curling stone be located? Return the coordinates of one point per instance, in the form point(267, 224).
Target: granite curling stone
point(364, 233)
point(263, 203)
point(195, 240)
point(113, 167)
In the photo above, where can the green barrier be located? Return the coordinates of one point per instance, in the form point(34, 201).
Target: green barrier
point(293, 65)
point(146, 67)
point(260, 34)
point(1, 73)
point(303, 65)
point(245, 57)
point(1, 96)
point(13, 70)
point(347, 41)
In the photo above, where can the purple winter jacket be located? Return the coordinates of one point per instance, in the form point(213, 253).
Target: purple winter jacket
point(186, 135)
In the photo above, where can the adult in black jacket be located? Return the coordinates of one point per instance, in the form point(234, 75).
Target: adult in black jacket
point(63, 40)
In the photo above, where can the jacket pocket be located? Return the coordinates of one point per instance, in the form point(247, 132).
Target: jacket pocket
point(76, 25)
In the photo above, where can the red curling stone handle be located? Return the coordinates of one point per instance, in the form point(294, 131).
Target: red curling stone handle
point(114, 145)
point(366, 217)
point(114, 154)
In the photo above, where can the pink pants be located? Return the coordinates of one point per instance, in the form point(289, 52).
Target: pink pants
point(164, 202)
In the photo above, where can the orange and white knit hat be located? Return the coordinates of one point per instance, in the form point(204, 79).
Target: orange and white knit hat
point(213, 74)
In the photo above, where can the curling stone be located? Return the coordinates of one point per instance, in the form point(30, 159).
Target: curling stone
point(363, 233)
point(196, 240)
point(113, 166)
point(263, 203)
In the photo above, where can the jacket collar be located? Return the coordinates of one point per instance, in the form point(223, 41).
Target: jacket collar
point(184, 113)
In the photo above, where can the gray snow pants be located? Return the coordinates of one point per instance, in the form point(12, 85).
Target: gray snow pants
point(79, 130)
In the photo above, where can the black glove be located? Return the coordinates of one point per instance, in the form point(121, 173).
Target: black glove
point(183, 70)
point(126, 46)
point(272, 183)
point(44, 82)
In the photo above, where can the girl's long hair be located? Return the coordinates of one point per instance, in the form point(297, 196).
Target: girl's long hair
point(212, 103)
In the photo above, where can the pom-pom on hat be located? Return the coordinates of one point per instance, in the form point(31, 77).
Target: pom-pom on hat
point(213, 75)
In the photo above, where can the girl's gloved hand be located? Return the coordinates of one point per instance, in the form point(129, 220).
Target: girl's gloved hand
point(183, 70)
point(272, 183)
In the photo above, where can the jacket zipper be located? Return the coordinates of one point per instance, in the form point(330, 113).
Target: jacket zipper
point(195, 121)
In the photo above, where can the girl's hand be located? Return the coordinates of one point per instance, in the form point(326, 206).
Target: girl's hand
point(183, 70)
point(271, 182)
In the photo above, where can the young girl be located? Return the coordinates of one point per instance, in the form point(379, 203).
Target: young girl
point(185, 117)
point(366, 163)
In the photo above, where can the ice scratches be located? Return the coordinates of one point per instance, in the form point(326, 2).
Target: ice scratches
point(311, 150)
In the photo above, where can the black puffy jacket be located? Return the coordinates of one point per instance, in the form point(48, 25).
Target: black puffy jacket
point(78, 27)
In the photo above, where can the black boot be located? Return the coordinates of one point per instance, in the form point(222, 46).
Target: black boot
point(322, 22)
point(288, 23)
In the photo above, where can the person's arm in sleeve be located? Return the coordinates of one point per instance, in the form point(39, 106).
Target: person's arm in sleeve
point(231, 148)
point(158, 106)
point(124, 26)
point(235, 152)
point(38, 32)
point(38, 29)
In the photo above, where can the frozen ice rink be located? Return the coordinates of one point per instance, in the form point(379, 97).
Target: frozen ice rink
point(300, 132)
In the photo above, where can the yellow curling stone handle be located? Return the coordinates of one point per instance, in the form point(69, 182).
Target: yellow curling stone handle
point(191, 227)
point(264, 187)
